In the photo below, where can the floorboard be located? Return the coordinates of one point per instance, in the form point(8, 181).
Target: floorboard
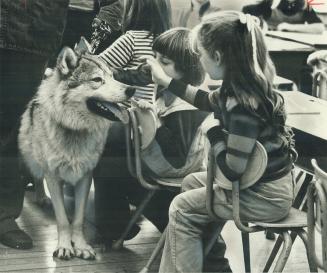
point(40, 224)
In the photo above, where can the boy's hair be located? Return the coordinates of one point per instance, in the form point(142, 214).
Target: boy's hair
point(150, 15)
point(223, 32)
point(175, 45)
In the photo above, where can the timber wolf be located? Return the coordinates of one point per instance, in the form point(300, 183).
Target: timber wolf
point(63, 132)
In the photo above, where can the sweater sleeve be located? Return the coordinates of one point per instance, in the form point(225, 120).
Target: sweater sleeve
point(120, 52)
point(243, 131)
point(203, 100)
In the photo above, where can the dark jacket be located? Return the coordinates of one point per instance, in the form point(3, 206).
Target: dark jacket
point(33, 26)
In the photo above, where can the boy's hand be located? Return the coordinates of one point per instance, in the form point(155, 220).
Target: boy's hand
point(158, 74)
point(142, 104)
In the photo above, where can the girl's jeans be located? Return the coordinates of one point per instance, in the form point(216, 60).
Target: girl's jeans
point(188, 217)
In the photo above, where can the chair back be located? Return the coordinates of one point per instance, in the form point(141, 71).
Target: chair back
point(254, 170)
point(317, 214)
point(140, 132)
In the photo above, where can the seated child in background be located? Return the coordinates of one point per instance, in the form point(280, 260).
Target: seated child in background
point(287, 15)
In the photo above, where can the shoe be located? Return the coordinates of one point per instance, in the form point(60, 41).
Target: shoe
point(16, 239)
point(109, 237)
point(215, 261)
point(270, 235)
point(217, 265)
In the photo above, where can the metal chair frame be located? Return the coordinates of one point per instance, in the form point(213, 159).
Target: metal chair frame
point(317, 214)
point(133, 133)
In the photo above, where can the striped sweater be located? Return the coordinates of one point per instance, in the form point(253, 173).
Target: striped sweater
point(125, 53)
point(244, 128)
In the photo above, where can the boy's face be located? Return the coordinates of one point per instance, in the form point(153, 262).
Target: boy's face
point(168, 66)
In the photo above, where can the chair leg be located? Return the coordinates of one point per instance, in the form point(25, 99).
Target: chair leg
point(282, 259)
point(275, 250)
point(136, 215)
point(304, 237)
point(273, 253)
point(246, 251)
point(155, 253)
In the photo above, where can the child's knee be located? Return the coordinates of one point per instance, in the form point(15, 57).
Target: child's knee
point(188, 182)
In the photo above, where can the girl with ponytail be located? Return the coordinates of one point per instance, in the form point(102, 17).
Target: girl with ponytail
point(231, 48)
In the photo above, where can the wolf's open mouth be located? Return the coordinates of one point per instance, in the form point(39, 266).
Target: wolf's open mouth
point(108, 110)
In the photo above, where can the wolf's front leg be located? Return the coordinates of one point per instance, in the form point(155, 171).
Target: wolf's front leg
point(64, 248)
point(81, 247)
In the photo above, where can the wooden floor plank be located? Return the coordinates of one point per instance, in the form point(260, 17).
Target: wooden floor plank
point(40, 224)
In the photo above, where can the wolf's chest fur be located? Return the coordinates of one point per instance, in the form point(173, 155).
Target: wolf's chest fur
point(51, 149)
point(74, 153)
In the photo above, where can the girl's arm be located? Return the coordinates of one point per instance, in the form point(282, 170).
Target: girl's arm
point(243, 131)
point(201, 99)
point(120, 52)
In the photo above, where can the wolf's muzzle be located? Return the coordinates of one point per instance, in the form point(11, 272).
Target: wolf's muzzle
point(130, 91)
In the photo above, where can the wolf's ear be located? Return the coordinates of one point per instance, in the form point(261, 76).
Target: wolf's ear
point(67, 60)
point(82, 47)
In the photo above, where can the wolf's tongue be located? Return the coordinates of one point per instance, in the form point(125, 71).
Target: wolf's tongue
point(121, 114)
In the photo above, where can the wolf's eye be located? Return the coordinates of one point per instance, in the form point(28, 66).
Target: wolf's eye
point(97, 79)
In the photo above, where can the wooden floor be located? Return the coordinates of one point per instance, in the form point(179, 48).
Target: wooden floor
point(40, 224)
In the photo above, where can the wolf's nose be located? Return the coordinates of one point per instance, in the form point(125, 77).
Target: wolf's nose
point(130, 91)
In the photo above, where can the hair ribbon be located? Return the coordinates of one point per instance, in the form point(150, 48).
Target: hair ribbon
point(250, 22)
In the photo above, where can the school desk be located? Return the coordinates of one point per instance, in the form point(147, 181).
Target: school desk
point(318, 41)
point(290, 59)
point(307, 116)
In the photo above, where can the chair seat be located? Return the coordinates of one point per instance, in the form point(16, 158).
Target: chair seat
point(170, 182)
point(294, 219)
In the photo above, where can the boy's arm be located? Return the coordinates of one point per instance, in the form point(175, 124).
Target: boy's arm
point(139, 77)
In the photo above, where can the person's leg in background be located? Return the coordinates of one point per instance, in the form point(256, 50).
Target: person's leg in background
point(21, 73)
point(111, 184)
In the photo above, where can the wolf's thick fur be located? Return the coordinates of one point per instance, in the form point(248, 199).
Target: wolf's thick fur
point(62, 136)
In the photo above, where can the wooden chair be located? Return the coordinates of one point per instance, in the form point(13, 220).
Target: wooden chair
point(295, 222)
point(142, 124)
point(317, 215)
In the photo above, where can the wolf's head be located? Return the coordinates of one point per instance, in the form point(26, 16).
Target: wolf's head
point(81, 89)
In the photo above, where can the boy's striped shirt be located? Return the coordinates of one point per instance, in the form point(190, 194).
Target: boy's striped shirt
point(126, 51)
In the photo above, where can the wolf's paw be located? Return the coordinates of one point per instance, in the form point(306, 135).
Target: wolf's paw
point(85, 252)
point(81, 248)
point(64, 252)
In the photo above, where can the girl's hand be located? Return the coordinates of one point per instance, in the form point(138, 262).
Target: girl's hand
point(158, 74)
